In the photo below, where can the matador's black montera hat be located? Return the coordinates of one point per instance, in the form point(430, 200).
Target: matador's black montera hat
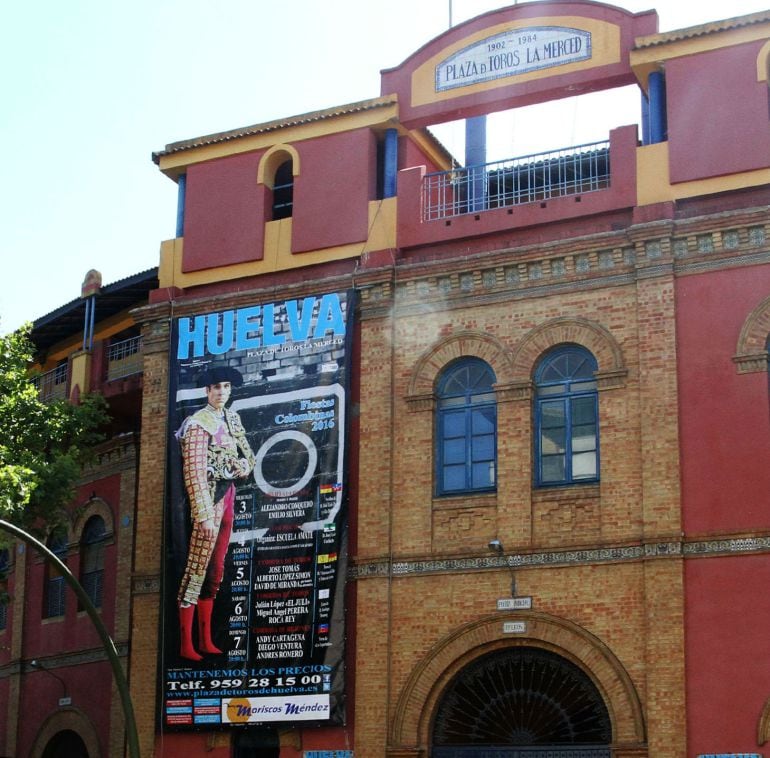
point(218, 374)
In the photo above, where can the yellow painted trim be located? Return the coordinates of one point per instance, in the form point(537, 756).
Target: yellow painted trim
point(605, 46)
point(103, 330)
point(700, 44)
point(652, 180)
point(653, 184)
point(428, 146)
point(277, 251)
point(763, 62)
point(80, 372)
point(381, 117)
point(648, 59)
point(273, 158)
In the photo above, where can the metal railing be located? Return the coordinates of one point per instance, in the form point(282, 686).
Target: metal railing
point(52, 385)
point(124, 358)
point(516, 181)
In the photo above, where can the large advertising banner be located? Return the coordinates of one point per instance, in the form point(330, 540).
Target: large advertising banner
point(255, 523)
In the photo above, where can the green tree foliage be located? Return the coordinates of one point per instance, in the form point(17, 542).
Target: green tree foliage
point(42, 445)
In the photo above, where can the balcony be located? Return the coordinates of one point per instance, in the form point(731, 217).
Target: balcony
point(52, 385)
point(516, 181)
point(124, 358)
point(578, 184)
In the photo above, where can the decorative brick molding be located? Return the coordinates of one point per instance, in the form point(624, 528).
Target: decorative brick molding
point(514, 391)
point(573, 557)
point(589, 334)
point(112, 457)
point(751, 351)
point(422, 692)
point(68, 719)
point(459, 345)
point(94, 506)
point(417, 403)
point(611, 380)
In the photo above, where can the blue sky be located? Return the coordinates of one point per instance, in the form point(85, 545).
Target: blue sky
point(91, 87)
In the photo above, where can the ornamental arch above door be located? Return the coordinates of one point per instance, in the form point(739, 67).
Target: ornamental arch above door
point(549, 645)
point(521, 701)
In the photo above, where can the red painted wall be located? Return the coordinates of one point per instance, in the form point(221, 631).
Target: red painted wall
point(226, 210)
point(728, 652)
point(73, 631)
point(331, 195)
point(89, 686)
point(710, 95)
point(409, 154)
point(224, 213)
point(724, 416)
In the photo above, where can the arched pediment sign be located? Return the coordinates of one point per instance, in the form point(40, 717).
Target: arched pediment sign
point(514, 56)
point(422, 692)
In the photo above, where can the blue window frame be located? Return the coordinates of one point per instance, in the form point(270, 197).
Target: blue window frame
point(54, 581)
point(566, 417)
point(92, 546)
point(283, 191)
point(5, 564)
point(466, 428)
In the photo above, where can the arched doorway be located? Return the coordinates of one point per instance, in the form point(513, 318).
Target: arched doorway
point(521, 702)
point(65, 744)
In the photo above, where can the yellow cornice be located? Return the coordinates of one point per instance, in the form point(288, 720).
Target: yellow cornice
point(382, 116)
point(651, 52)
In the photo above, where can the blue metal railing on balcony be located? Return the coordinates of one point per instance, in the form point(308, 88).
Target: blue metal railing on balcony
point(515, 181)
point(124, 358)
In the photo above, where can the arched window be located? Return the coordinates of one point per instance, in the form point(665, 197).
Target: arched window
point(466, 428)
point(92, 546)
point(5, 565)
point(522, 701)
point(53, 594)
point(283, 191)
point(566, 417)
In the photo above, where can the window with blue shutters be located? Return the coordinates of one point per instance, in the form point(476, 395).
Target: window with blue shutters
point(53, 600)
point(92, 546)
point(566, 417)
point(466, 428)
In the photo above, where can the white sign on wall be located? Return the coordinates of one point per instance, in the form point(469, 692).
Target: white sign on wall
point(514, 603)
point(517, 51)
